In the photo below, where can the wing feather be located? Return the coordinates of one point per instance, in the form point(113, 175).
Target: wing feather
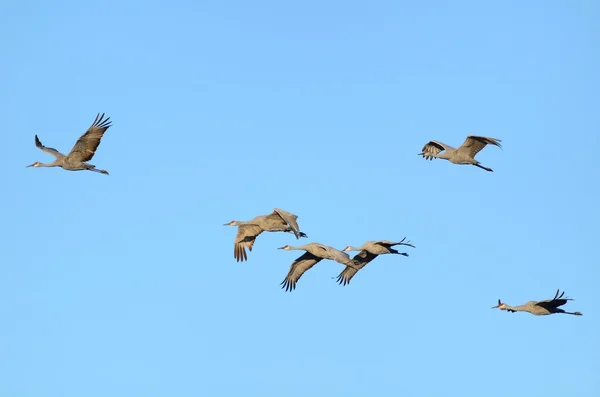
point(297, 269)
point(388, 244)
point(474, 144)
point(554, 302)
point(245, 238)
point(290, 219)
point(432, 149)
point(48, 150)
point(85, 147)
point(360, 260)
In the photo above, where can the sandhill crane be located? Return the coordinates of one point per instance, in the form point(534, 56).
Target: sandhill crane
point(541, 308)
point(315, 253)
point(277, 221)
point(83, 151)
point(369, 251)
point(465, 154)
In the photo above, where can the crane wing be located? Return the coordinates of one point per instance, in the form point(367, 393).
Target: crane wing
point(48, 150)
point(245, 238)
point(290, 219)
point(554, 302)
point(389, 244)
point(299, 266)
point(86, 145)
point(473, 144)
point(360, 260)
point(433, 148)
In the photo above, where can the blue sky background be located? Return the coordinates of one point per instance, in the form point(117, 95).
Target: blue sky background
point(126, 285)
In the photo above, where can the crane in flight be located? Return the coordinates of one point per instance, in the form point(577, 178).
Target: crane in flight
point(369, 251)
point(541, 308)
point(83, 151)
point(465, 154)
point(277, 221)
point(314, 254)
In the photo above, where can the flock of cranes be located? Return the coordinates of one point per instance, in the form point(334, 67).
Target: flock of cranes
point(283, 221)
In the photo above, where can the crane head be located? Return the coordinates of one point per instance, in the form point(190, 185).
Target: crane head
point(285, 247)
point(500, 306)
point(348, 248)
point(232, 223)
point(36, 164)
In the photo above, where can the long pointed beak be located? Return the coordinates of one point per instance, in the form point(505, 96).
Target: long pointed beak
point(495, 307)
point(30, 165)
point(280, 248)
point(226, 224)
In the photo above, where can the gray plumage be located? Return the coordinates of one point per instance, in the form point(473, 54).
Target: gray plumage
point(83, 150)
point(541, 308)
point(369, 251)
point(277, 221)
point(315, 253)
point(465, 154)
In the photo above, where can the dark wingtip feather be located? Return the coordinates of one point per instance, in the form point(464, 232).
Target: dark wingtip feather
point(288, 285)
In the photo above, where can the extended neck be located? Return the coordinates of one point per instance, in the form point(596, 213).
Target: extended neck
point(519, 308)
point(44, 165)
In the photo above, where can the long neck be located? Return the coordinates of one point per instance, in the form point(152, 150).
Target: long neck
point(296, 248)
point(305, 247)
point(46, 165)
point(520, 308)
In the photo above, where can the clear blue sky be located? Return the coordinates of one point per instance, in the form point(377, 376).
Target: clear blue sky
point(125, 285)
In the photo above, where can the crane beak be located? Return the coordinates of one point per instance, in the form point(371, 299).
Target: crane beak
point(280, 248)
point(495, 307)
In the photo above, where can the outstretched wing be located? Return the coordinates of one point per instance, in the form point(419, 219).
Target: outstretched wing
point(299, 266)
point(48, 150)
point(290, 219)
point(432, 149)
point(245, 238)
point(473, 144)
point(360, 260)
point(86, 145)
point(554, 302)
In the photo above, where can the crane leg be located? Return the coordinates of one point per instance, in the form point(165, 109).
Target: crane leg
point(483, 168)
point(99, 171)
